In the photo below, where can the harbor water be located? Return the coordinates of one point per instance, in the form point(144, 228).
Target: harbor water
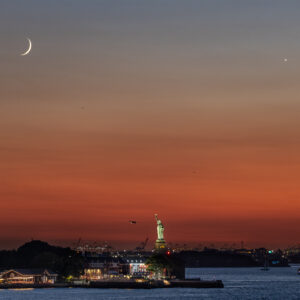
point(240, 283)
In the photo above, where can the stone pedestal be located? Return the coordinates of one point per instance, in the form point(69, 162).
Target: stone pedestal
point(160, 245)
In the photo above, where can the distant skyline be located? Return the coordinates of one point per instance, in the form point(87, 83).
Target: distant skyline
point(123, 109)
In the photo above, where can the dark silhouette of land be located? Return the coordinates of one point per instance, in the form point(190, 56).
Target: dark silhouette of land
point(38, 254)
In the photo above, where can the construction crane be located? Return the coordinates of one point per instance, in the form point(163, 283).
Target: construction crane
point(76, 245)
point(78, 242)
point(142, 245)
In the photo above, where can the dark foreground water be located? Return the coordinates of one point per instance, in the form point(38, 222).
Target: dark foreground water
point(240, 283)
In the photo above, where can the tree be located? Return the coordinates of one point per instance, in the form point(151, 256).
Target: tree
point(73, 265)
point(160, 265)
point(39, 254)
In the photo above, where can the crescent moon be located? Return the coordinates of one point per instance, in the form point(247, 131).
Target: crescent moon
point(29, 48)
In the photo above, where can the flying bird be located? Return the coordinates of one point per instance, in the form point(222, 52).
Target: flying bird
point(132, 222)
point(29, 48)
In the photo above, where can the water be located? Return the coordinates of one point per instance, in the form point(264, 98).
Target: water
point(240, 283)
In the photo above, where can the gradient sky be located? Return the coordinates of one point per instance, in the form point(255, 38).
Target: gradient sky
point(128, 108)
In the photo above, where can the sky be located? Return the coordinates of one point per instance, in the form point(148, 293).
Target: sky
point(127, 108)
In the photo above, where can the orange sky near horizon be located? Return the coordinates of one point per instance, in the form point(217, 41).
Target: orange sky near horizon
point(185, 110)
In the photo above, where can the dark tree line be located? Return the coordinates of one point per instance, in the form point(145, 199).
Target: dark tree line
point(163, 264)
point(38, 254)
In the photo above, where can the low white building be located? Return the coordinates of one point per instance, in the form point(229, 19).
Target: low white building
point(137, 265)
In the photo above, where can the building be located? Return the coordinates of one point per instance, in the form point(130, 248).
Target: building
point(28, 276)
point(103, 267)
point(137, 265)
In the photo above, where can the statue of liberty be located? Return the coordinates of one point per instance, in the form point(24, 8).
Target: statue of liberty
point(160, 229)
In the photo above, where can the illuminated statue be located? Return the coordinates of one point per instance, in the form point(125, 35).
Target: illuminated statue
point(160, 244)
point(160, 229)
